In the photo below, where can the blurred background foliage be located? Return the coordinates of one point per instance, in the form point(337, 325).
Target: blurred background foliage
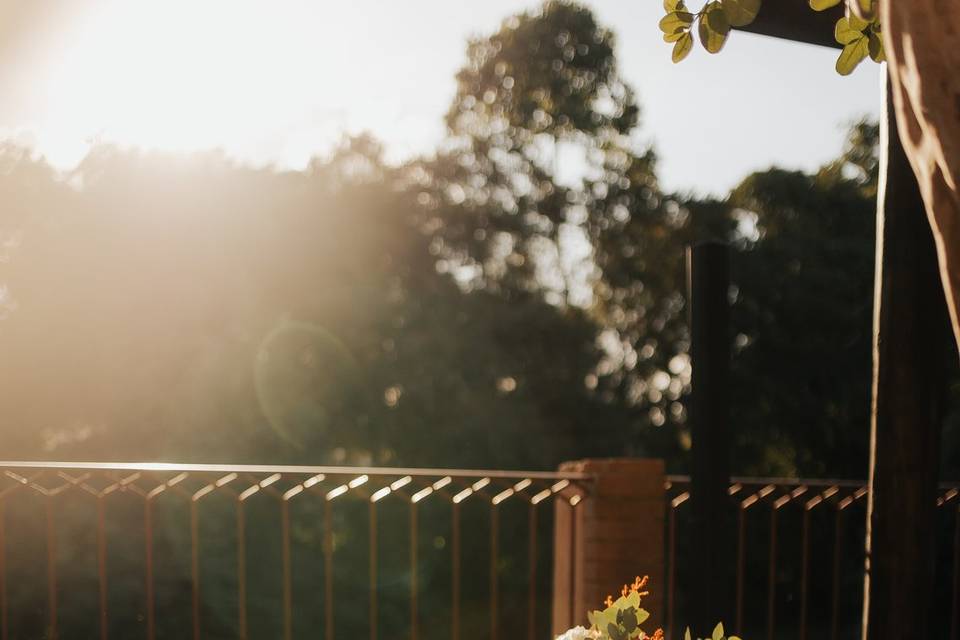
point(514, 300)
point(524, 284)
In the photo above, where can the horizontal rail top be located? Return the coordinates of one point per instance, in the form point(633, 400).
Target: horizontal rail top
point(813, 482)
point(792, 482)
point(292, 469)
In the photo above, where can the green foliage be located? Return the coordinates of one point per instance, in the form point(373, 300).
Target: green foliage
point(804, 283)
point(859, 38)
point(713, 27)
point(859, 31)
point(713, 22)
point(823, 5)
point(741, 12)
point(718, 634)
point(683, 46)
point(621, 620)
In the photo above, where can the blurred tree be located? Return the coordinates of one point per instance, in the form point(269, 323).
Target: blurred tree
point(240, 314)
point(803, 315)
point(534, 188)
point(542, 190)
point(540, 95)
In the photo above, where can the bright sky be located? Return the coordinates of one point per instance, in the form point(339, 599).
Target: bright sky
point(277, 81)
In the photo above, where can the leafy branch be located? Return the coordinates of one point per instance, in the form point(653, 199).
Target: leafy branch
point(859, 31)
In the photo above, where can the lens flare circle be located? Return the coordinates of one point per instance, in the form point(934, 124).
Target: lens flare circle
point(304, 377)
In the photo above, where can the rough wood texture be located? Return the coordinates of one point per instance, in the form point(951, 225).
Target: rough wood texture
point(911, 347)
point(607, 540)
point(922, 41)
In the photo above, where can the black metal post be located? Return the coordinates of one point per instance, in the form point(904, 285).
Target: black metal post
point(708, 273)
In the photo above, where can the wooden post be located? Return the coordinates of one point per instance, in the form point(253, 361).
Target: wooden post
point(911, 347)
point(708, 273)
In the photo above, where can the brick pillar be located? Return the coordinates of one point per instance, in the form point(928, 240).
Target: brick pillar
point(613, 535)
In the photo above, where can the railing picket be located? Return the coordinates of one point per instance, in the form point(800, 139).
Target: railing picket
point(804, 573)
point(195, 565)
point(494, 560)
point(741, 564)
point(285, 559)
point(148, 564)
point(672, 579)
point(414, 534)
point(373, 571)
point(532, 573)
point(51, 571)
point(241, 571)
point(3, 570)
point(102, 566)
point(772, 575)
point(455, 562)
point(572, 612)
point(837, 540)
point(955, 609)
point(328, 568)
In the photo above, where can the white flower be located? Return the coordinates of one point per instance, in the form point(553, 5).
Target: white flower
point(578, 633)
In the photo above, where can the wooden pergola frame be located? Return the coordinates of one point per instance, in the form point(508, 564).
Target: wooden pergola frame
point(912, 344)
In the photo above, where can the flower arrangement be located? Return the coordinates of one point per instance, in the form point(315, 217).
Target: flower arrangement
point(621, 619)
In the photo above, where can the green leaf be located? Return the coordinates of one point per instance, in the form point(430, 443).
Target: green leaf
point(718, 631)
point(673, 5)
point(851, 56)
point(675, 21)
point(642, 615)
point(875, 47)
point(633, 600)
point(717, 18)
point(686, 634)
point(683, 46)
point(741, 12)
point(673, 37)
point(866, 9)
point(615, 632)
point(823, 5)
point(629, 620)
point(844, 33)
point(856, 22)
point(713, 28)
point(600, 619)
point(734, 638)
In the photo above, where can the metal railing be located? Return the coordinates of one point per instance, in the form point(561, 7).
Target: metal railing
point(773, 566)
point(140, 492)
point(162, 550)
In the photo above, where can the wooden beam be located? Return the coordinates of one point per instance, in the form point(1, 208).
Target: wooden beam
point(795, 20)
point(911, 348)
